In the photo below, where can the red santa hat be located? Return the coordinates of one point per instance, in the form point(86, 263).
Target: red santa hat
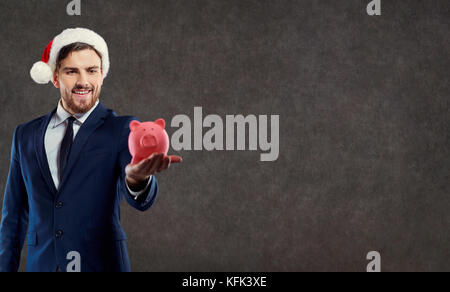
point(42, 71)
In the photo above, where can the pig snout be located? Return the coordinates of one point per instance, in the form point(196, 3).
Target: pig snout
point(148, 141)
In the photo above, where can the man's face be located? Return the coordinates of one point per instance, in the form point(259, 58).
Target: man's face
point(79, 79)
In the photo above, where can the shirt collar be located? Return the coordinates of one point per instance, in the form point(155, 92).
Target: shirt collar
point(61, 115)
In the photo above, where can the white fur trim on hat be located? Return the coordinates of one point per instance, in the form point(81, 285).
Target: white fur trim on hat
point(43, 74)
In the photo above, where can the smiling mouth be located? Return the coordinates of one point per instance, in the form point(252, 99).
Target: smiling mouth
point(81, 93)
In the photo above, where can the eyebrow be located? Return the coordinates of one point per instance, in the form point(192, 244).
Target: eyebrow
point(76, 69)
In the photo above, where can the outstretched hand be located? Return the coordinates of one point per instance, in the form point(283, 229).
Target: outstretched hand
point(138, 174)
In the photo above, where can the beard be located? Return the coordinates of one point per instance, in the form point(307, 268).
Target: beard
point(82, 106)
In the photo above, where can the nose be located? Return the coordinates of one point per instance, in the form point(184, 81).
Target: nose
point(82, 80)
point(148, 141)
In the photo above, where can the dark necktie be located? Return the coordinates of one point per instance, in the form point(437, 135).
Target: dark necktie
point(66, 144)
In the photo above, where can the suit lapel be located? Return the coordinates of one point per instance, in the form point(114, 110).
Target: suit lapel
point(39, 136)
point(95, 120)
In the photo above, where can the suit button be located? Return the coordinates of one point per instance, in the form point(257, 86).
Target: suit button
point(59, 205)
point(59, 233)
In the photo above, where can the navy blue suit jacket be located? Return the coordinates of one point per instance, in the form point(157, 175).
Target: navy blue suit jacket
point(84, 214)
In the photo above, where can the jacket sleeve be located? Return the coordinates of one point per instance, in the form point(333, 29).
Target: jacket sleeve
point(145, 200)
point(14, 213)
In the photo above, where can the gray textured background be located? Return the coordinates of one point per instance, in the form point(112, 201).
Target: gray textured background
point(364, 126)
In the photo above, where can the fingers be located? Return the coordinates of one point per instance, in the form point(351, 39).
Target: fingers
point(157, 162)
point(136, 171)
point(159, 159)
point(139, 167)
point(175, 159)
point(152, 162)
point(165, 164)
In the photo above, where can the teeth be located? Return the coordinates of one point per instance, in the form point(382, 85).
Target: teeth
point(81, 92)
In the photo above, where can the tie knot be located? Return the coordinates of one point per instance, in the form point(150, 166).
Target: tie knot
point(71, 120)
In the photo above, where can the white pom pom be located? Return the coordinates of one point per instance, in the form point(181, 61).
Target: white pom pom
point(41, 73)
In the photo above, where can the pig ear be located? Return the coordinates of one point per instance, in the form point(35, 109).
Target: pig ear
point(133, 125)
point(161, 122)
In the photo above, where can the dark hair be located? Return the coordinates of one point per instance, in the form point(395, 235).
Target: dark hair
point(78, 46)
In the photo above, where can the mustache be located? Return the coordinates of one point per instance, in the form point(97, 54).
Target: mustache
point(82, 88)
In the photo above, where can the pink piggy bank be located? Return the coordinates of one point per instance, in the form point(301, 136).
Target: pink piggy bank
point(147, 138)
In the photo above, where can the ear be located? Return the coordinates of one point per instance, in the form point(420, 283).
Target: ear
point(102, 78)
point(161, 122)
point(133, 125)
point(55, 79)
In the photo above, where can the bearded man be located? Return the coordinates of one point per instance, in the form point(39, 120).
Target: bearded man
point(71, 168)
